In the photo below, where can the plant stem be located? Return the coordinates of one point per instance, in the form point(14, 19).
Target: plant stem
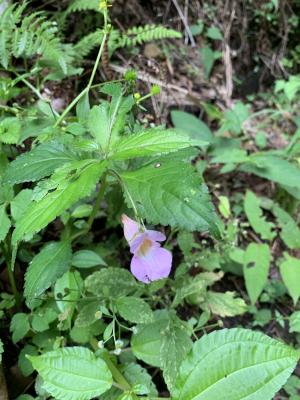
point(118, 377)
point(97, 202)
point(89, 85)
point(11, 276)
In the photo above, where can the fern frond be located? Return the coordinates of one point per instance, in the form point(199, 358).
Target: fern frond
point(82, 5)
point(147, 33)
point(87, 44)
point(30, 35)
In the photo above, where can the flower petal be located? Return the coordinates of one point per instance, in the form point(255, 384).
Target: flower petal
point(156, 236)
point(155, 264)
point(131, 228)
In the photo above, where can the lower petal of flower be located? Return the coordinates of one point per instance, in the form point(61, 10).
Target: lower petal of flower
point(155, 264)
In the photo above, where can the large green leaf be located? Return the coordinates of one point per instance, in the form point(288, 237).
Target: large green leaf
point(152, 142)
point(274, 168)
point(290, 272)
point(256, 267)
point(72, 373)
point(111, 282)
point(172, 193)
point(235, 364)
point(38, 163)
point(290, 231)
point(187, 122)
point(54, 203)
point(48, 265)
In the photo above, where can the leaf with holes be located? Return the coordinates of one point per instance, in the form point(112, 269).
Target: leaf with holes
point(256, 268)
point(235, 364)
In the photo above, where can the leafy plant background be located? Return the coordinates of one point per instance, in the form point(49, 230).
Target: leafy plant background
point(179, 115)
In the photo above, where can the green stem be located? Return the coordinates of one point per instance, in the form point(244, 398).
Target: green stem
point(11, 276)
point(86, 90)
point(94, 210)
point(118, 377)
point(97, 202)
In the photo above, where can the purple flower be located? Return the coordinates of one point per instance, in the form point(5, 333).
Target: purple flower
point(150, 262)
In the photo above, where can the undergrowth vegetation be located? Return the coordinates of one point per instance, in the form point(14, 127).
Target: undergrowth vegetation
point(141, 258)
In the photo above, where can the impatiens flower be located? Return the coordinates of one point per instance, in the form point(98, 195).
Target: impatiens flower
point(150, 262)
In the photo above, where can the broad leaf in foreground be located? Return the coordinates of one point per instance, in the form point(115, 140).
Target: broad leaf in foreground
point(172, 193)
point(36, 164)
point(152, 142)
point(72, 373)
point(48, 265)
point(235, 364)
point(54, 203)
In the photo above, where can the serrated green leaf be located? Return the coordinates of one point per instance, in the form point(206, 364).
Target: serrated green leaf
point(111, 282)
point(152, 142)
point(42, 161)
point(87, 259)
point(134, 310)
point(10, 130)
point(19, 326)
point(290, 272)
point(54, 203)
point(4, 222)
point(72, 373)
point(224, 304)
point(256, 268)
point(235, 364)
point(45, 268)
point(255, 216)
point(192, 125)
point(146, 343)
point(175, 345)
point(172, 193)
point(20, 203)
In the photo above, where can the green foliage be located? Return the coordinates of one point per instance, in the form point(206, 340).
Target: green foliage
point(29, 35)
point(81, 375)
point(171, 193)
point(48, 265)
point(255, 216)
point(257, 368)
point(186, 122)
point(56, 202)
point(152, 142)
point(256, 268)
point(134, 310)
point(290, 272)
point(38, 163)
